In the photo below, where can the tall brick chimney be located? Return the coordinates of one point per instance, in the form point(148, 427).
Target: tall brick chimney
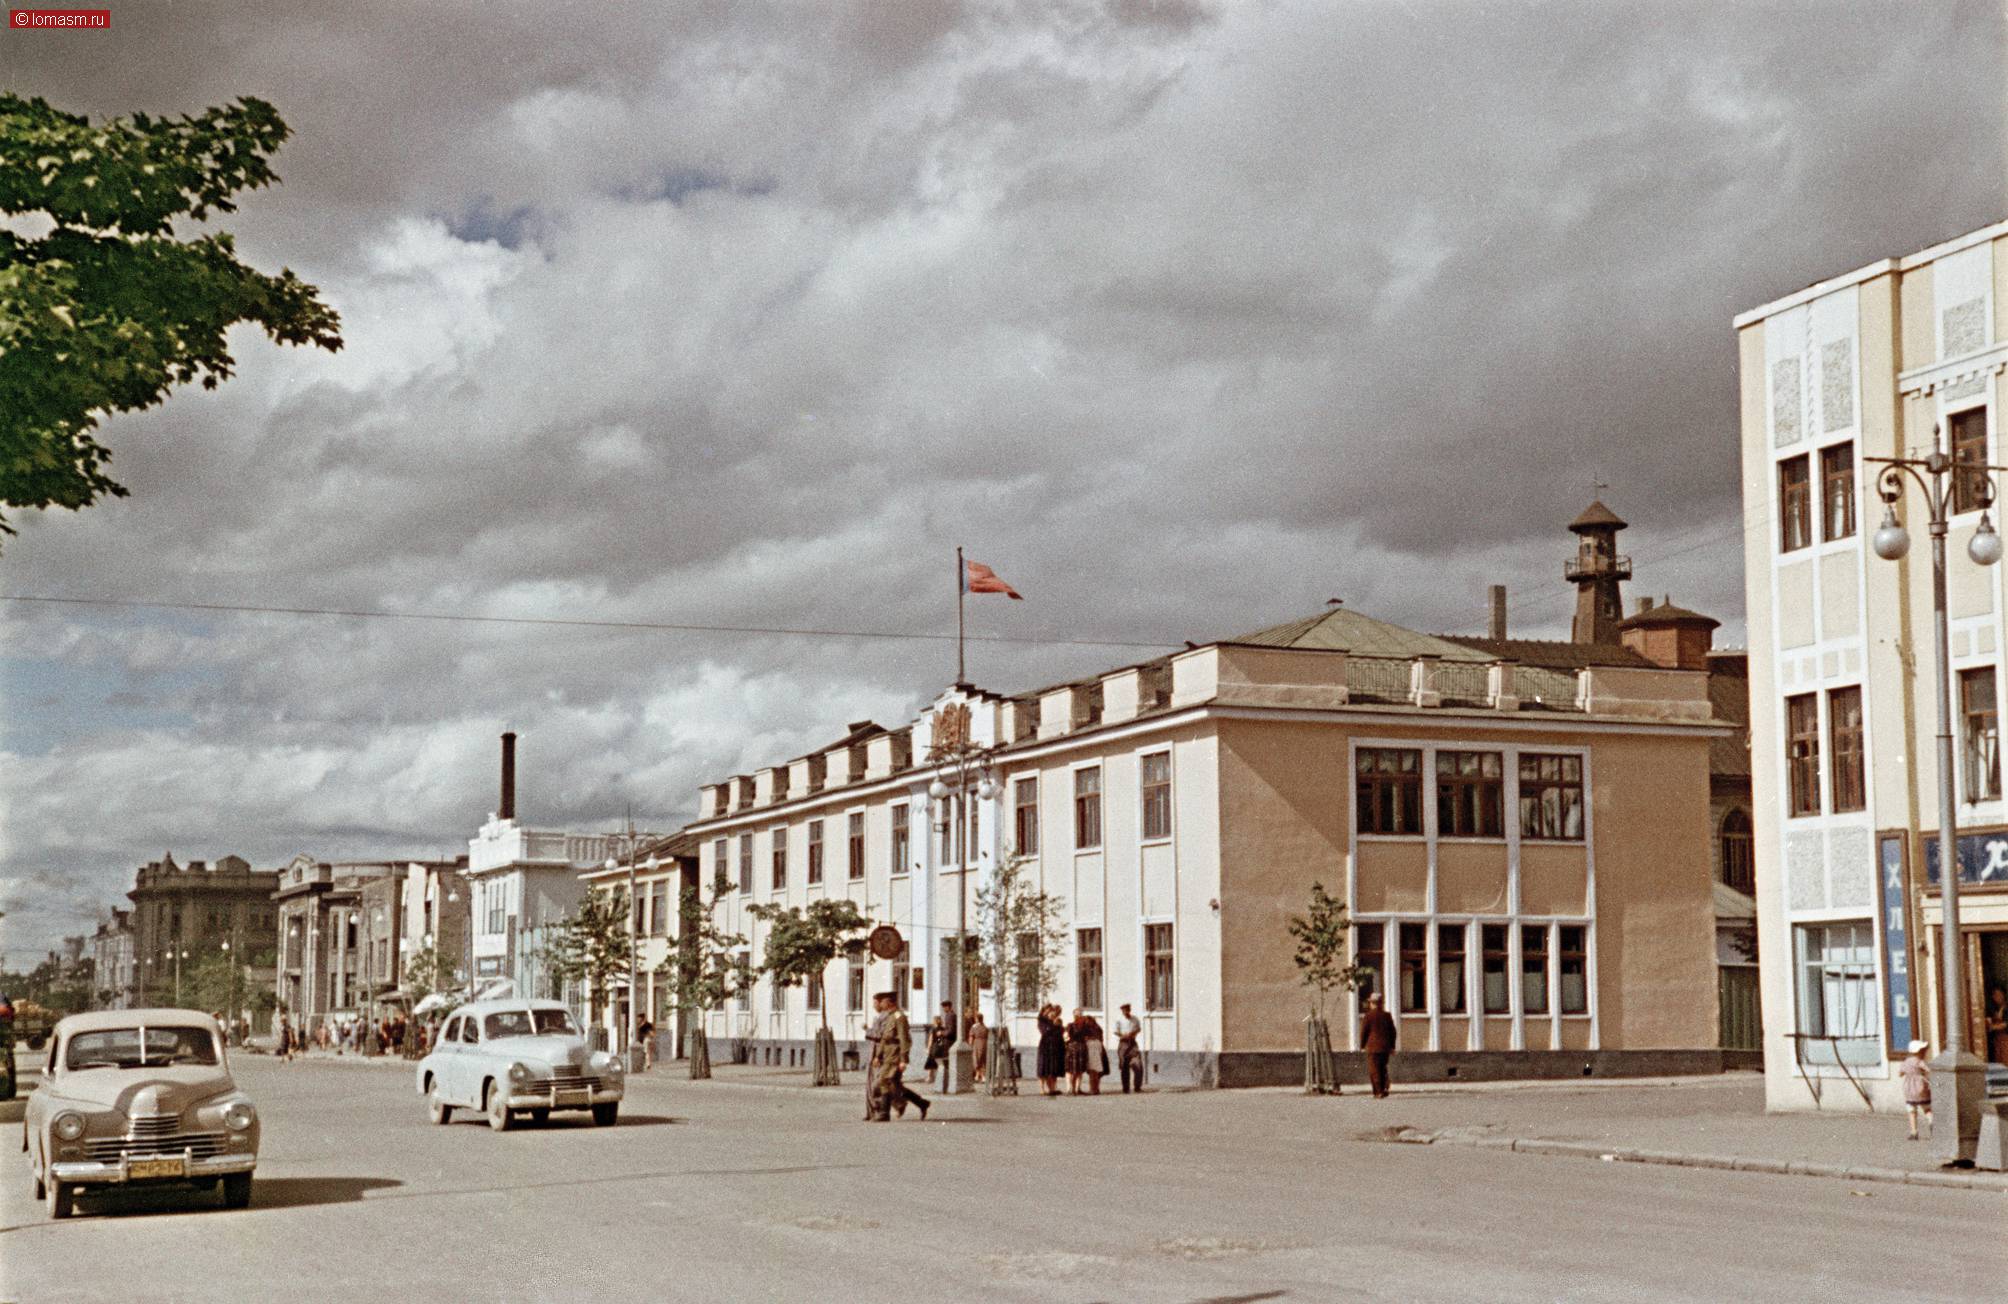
point(1496, 626)
point(508, 810)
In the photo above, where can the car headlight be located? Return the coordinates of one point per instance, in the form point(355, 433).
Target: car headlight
point(239, 1115)
point(519, 1073)
point(603, 1061)
point(68, 1126)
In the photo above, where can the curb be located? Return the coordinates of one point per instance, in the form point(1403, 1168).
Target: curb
point(1962, 1180)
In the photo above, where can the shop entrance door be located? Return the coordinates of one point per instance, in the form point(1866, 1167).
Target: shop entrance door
point(1987, 967)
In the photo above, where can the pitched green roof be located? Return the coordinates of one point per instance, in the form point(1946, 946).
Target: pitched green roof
point(1341, 630)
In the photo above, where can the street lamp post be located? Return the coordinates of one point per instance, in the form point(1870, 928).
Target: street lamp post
point(964, 767)
point(627, 843)
point(1957, 1082)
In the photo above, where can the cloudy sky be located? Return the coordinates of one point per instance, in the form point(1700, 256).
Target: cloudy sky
point(1185, 317)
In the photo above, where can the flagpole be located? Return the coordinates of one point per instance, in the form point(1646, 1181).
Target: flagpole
point(960, 585)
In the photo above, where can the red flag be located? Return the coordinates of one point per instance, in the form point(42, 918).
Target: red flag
point(978, 578)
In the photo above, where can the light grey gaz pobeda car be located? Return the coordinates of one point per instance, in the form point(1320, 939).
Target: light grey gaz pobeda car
point(138, 1098)
point(508, 1057)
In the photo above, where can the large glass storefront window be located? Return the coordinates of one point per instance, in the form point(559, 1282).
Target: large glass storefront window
point(1839, 1015)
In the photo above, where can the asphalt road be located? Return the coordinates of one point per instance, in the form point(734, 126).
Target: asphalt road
point(711, 1191)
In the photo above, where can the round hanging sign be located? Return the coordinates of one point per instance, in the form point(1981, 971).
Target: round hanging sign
point(886, 942)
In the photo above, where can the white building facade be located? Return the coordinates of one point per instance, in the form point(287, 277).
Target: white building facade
point(1842, 671)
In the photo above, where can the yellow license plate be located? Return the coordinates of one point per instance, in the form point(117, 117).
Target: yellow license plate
point(570, 1098)
point(157, 1168)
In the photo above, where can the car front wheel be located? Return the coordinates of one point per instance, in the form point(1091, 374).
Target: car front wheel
point(606, 1115)
point(500, 1116)
point(439, 1111)
point(236, 1190)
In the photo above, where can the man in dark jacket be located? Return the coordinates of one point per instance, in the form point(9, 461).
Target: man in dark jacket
point(1377, 1039)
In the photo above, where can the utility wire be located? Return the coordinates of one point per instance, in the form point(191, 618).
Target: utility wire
point(576, 623)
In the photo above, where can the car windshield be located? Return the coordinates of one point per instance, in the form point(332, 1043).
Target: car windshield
point(556, 1021)
point(129, 1048)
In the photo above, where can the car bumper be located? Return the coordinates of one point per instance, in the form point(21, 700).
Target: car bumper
point(98, 1173)
point(530, 1096)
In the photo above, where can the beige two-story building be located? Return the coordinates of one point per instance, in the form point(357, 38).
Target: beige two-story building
point(1896, 358)
point(1521, 830)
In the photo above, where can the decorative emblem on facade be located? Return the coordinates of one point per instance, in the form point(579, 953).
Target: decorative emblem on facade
point(951, 727)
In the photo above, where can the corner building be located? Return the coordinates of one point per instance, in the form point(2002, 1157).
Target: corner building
point(1877, 362)
point(1520, 829)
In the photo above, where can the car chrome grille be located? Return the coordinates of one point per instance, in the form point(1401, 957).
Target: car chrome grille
point(567, 1082)
point(203, 1145)
point(149, 1126)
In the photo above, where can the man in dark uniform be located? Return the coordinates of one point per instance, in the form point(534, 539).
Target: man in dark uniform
point(1377, 1039)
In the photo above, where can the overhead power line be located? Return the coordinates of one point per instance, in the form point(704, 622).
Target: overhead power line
point(582, 624)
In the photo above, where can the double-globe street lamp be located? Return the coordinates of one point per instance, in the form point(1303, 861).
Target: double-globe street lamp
point(962, 767)
point(1957, 1082)
point(625, 844)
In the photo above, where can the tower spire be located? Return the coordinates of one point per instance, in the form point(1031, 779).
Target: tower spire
point(1597, 570)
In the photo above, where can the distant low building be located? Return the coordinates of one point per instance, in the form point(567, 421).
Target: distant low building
point(112, 956)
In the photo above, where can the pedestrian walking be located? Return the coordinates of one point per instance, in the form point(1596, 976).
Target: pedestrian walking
point(285, 1039)
point(979, 1046)
point(1377, 1038)
point(1077, 1051)
point(1916, 1075)
point(889, 1061)
point(1129, 1058)
point(1052, 1049)
point(873, 1032)
point(940, 1039)
point(645, 1034)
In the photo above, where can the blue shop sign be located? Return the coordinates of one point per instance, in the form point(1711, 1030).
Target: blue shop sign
point(1896, 943)
point(1983, 859)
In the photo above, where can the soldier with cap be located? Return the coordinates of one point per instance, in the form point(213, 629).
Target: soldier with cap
point(889, 1056)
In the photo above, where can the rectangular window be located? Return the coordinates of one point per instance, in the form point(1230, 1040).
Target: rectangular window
point(721, 874)
point(780, 880)
point(1027, 982)
point(1450, 968)
point(1534, 968)
point(902, 835)
point(1156, 769)
point(1837, 492)
point(854, 986)
point(1802, 754)
point(1839, 1010)
point(1025, 813)
point(1159, 972)
point(1470, 795)
point(902, 974)
point(1088, 969)
point(815, 870)
point(1370, 953)
point(855, 865)
point(746, 862)
point(777, 996)
point(1981, 730)
point(1495, 975)
point(947, 823)
point(743, 963)
point(1969, 450)
point(1413, 990)
point(658, 908)
point(1088, 808)
point(1551, 797)
point(1387, 790)
point(813, 991)
point(1572, 970)
point(1795, 504)
point(1844, 727)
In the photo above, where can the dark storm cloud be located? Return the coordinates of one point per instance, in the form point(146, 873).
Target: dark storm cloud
point(1184, 317)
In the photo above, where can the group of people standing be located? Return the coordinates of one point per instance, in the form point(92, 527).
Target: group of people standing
point(339, 1035)
point(1078, 1048)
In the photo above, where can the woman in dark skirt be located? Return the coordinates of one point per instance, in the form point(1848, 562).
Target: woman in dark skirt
point(1052, 1050)
point(1077, 1052)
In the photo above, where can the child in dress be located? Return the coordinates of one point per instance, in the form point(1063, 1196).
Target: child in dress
point(1916, 1075)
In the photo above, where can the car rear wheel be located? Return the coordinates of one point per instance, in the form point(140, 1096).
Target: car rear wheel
point(236, 1190)
point(606, 1115)
point(439, 1111)
point(62, 1198)
point(500, 1116)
